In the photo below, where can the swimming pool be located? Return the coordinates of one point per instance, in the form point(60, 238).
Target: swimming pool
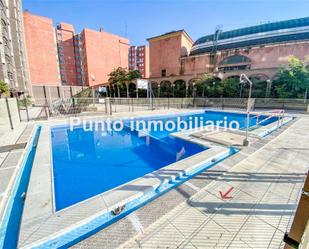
point(87, 163)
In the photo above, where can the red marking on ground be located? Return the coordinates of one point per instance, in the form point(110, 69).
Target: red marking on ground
point(225, 195)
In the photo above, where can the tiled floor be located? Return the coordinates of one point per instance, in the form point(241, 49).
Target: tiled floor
point(119, 232)
point(9, 159)
point(266, 188)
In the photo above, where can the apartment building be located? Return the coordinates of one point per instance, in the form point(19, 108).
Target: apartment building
point(41, 50)
point(13, 66)
point(139, 60)
point(102, 52)
point(69, 47)
point(60, 56)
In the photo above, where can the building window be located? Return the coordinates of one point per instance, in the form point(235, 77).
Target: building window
point(10, 75)
point(163, 73)
point(5, 41)
point(8, 59)
point(235, 59)
point(235, 62)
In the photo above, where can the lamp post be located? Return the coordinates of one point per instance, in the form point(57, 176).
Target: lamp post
point(268, 88)
point(93, 90)
point(203, 90)
point(240, 91)
point(194, 90)
point(243, 79)
point(214, 85)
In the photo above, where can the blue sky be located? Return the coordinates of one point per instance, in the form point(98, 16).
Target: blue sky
point(139, 20)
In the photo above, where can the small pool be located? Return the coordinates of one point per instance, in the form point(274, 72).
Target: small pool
point(87, 163)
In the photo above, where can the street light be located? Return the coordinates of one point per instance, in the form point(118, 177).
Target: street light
point(268, 88)
point(243, 79)
point(214, 90)
point(93, 90)
point(194, 90)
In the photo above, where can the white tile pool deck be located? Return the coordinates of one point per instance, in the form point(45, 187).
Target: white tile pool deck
point(11, 152)
point(255, 207)
point(266, 186)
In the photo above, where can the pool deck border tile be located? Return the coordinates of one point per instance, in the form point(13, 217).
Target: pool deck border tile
point(11, 161)
point(269, 209)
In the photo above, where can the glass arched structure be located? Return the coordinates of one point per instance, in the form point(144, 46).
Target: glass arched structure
point(276, 32)
point(234, 62)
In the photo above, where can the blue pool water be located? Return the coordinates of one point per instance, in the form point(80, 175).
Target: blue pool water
point(87, 163)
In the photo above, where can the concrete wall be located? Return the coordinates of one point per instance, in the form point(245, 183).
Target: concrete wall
point(103, 53)
point(41, 50)
point(4, 116)
point(46, 94)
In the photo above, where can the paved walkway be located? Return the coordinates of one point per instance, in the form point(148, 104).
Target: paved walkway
point(265, 188)
point(10, 157)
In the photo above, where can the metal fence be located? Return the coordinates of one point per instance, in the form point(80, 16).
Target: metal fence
point(9, 114)
point(46, 94)
point(62, 107)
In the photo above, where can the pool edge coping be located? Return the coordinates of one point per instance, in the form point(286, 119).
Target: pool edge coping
point(13, 185)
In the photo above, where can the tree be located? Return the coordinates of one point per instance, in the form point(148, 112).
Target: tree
point(209, 86)
point(292, 81)
point(231, 87)
point(117, 78)
point(4, 89)
point(120, 77)
point(132, 75)
point(259, 86)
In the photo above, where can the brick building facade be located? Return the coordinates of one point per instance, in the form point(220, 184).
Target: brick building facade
point(41, 50)
point(59, 56)
point(139, 60)
point(258, 51)
point(69, 54)
point(102, 52)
